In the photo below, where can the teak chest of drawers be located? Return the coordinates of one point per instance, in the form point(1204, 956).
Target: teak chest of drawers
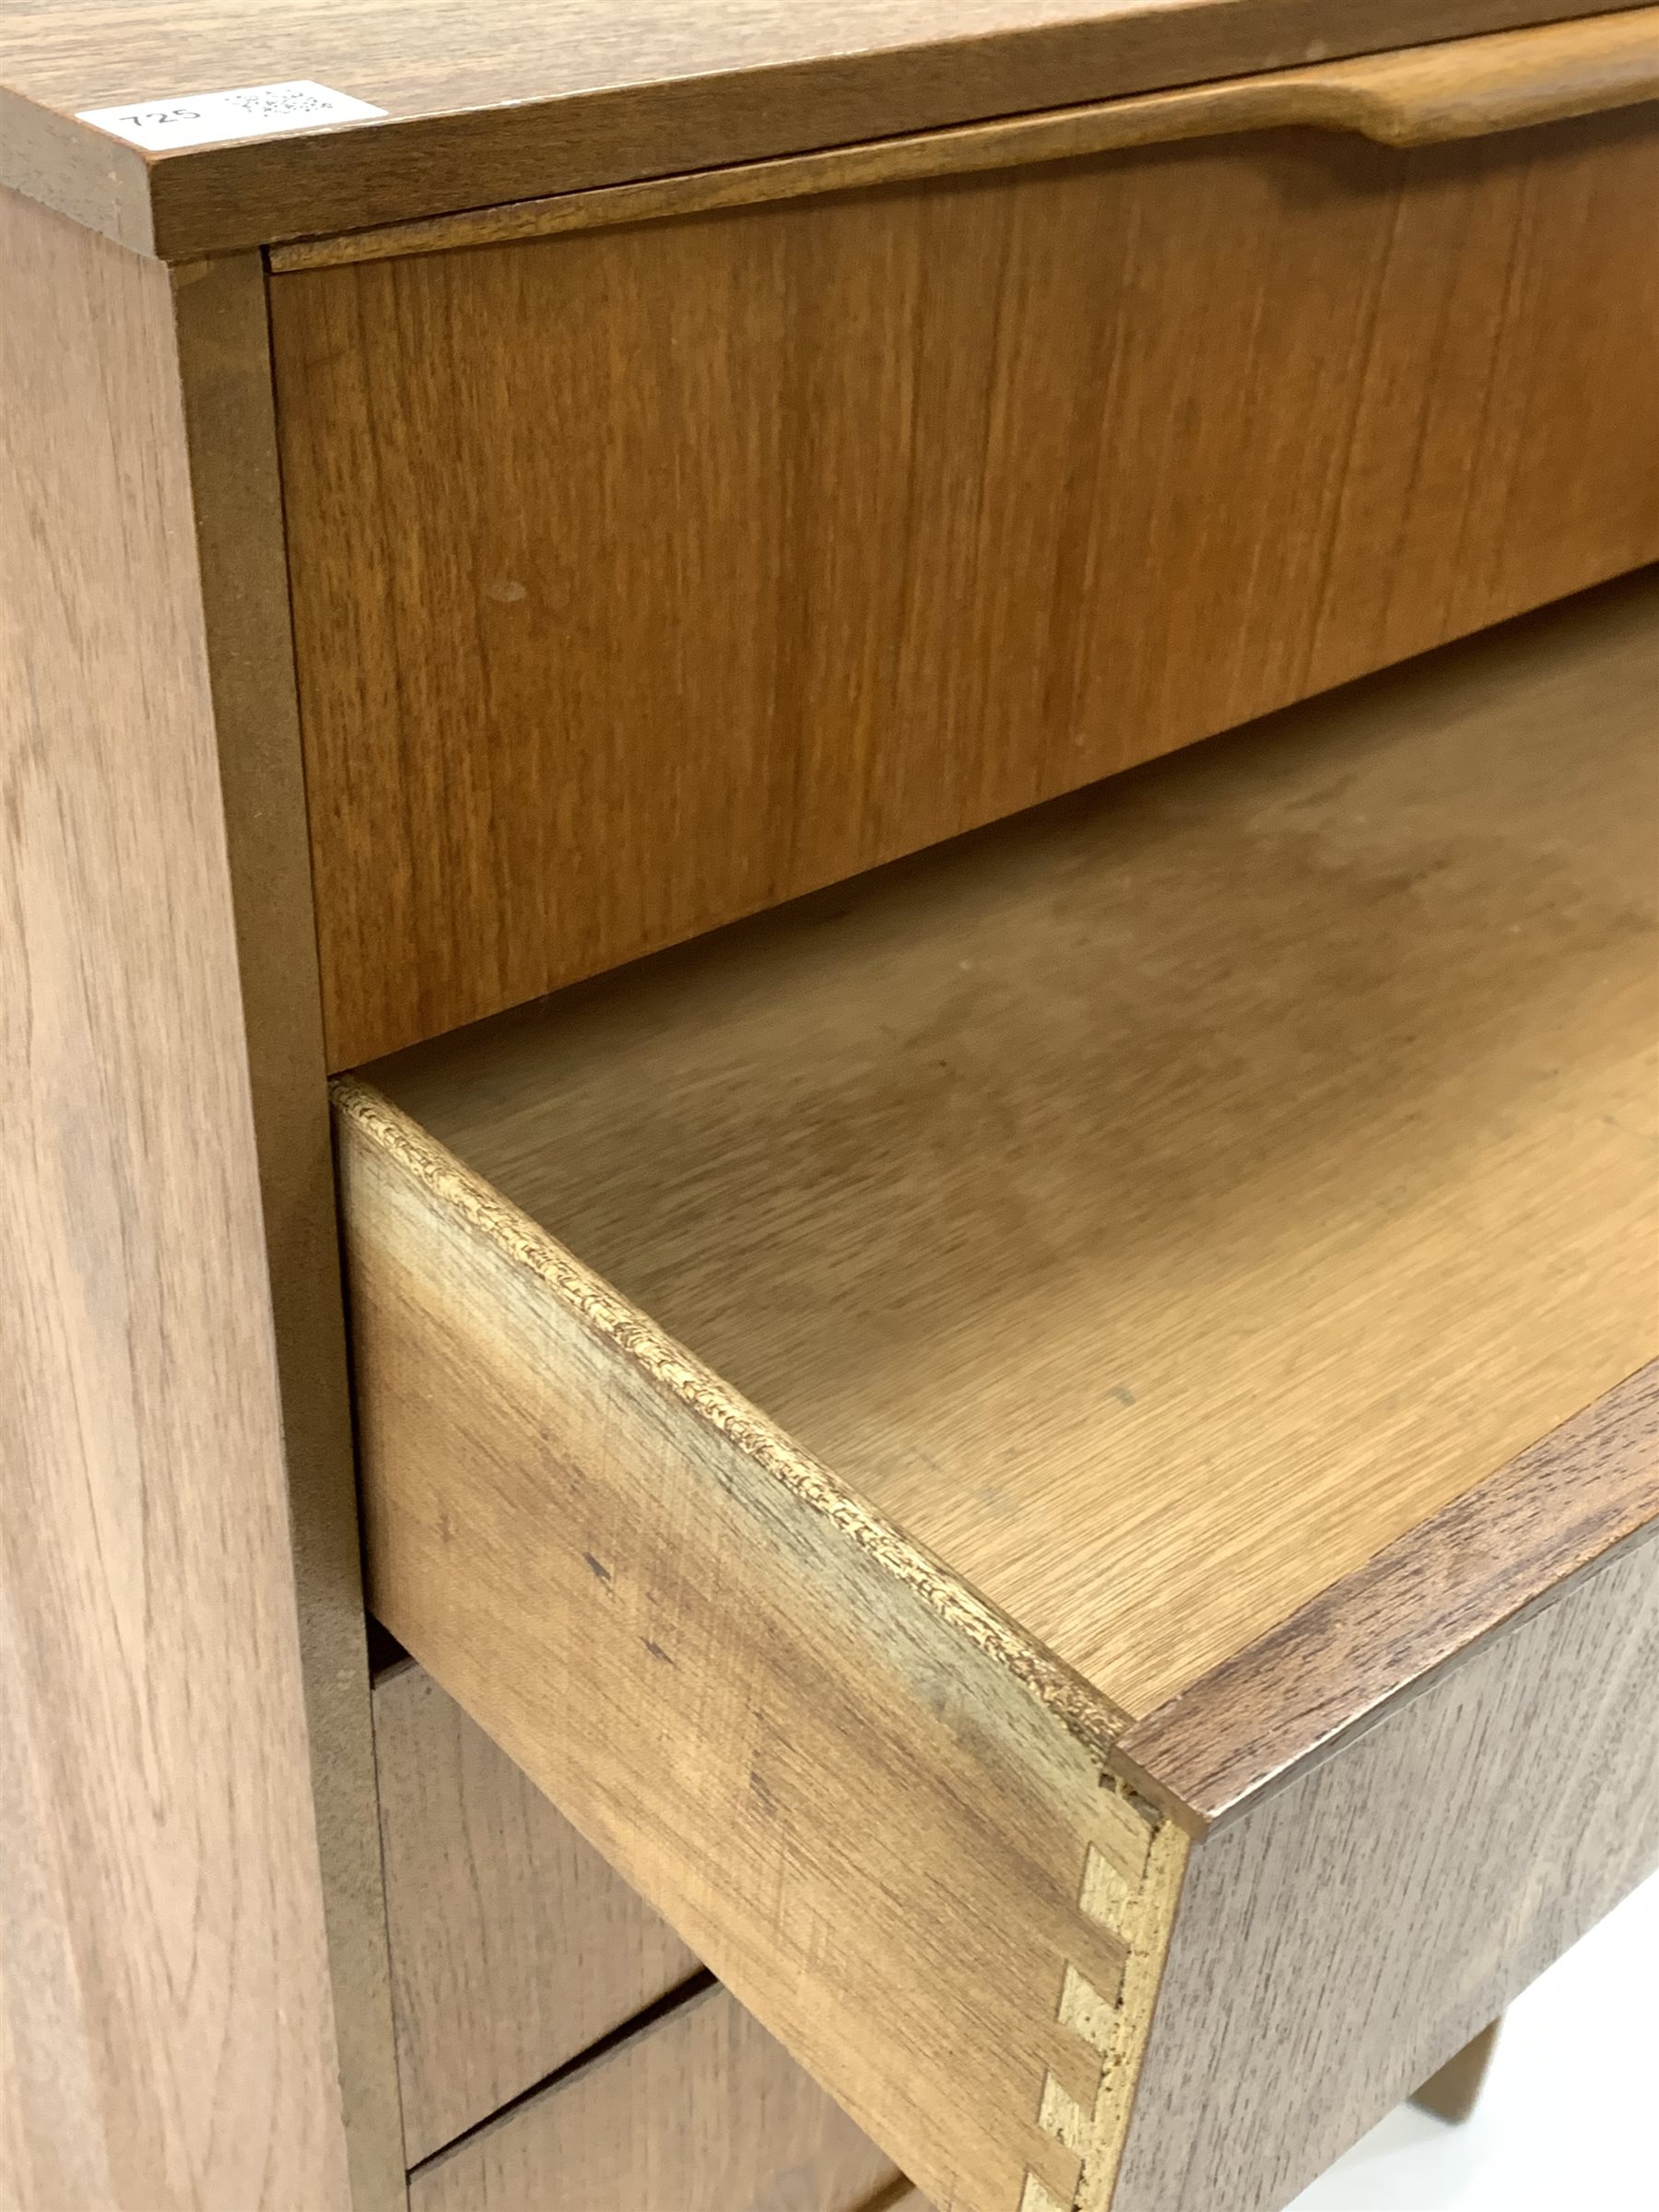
point(946, 723)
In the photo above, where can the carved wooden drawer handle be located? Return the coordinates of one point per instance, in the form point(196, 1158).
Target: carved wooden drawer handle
point(1469, 88)
point(1420, 96)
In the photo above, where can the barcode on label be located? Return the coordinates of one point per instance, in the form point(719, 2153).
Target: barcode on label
point(249, 112)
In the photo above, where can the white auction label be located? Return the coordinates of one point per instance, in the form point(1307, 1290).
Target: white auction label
point(252, 111)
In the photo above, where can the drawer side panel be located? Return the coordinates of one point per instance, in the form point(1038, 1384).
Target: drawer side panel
point(891, 1830)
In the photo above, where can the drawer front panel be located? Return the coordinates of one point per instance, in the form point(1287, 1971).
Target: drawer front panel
point(514, 1946)
point(646, 576)
point(702, 2113)
point(1343, 1941)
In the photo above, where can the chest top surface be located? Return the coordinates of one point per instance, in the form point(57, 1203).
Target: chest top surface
point(484, 101)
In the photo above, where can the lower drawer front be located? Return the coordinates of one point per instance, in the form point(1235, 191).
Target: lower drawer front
point(514, 1946)
point(701, 2113)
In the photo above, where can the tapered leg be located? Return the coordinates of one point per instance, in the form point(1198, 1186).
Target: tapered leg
point(1453, 2093)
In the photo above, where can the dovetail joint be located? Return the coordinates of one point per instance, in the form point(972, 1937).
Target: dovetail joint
point(1130, 1882)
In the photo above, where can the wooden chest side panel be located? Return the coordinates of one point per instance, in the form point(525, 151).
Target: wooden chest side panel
point(644, 577)
point(1334, 1947)
point(168, 2034)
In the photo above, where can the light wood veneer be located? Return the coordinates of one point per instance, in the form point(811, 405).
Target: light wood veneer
point(498, 99)
point(822, 1155)
point(176, 1905)
point(906, 303)
point(1423, 96)
point(1334, 1950)
point(1176, 1239)
point(982, 487)
point(701, 2113)
point(514, 1946)
point(1339, 1036)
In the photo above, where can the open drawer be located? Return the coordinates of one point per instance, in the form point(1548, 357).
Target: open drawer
point(1048, 1448)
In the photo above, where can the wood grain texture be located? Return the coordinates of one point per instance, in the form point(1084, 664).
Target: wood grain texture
point(1425, 1599)
point(1327, 1048)
point(1429, 95)
point(491, 100)
point(514, 1946)
point(1340, 1943)
point(225, 371)
point(882, 1816)
point(982, 488)
point(1452, 2091)
point(167, 2037)
point(702, 2113)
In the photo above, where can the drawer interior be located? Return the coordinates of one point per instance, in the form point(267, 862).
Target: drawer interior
point(1157, 1203)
